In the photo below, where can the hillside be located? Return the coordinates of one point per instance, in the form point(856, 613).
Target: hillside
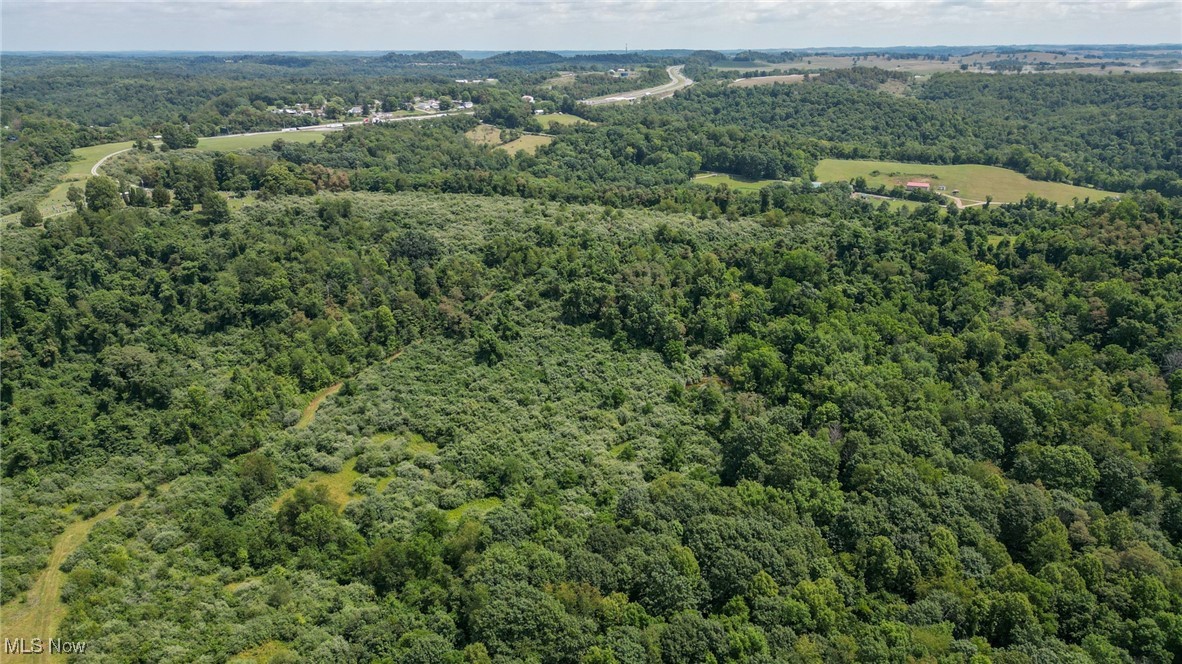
point(608, 433)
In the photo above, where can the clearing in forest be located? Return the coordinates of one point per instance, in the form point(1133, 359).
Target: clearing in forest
point(528, 143)
point(561, 119)
point(483, 134)
point(491, 136)
point(338, 484)
point(768, 80)
point(737, 182)
point(971, 183)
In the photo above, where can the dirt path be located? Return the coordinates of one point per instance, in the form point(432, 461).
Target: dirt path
point(314, 405)
point(309, 413)
point(41, 614)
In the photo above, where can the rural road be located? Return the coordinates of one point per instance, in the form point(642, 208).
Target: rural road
point(677, 81)
point(94, 169)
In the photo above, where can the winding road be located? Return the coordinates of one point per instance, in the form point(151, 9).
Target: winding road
point(677, 81)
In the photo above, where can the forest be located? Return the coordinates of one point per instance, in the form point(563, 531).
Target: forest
point(396, 396)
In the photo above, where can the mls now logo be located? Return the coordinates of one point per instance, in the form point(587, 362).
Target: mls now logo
point(38, 646)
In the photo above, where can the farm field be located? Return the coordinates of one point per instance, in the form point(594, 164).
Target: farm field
point(733, 181)
point(974, 181)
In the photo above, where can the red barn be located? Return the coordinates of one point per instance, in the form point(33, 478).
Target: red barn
point(919, 185)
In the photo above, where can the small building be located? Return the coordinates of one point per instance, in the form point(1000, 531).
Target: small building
point(919, 186)
point(356, 110)
point(527, 99)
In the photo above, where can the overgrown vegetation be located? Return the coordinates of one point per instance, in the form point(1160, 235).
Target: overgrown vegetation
point(574, 407)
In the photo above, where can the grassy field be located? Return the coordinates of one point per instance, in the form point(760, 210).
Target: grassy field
point(55, 201)
point(528, 143)
point(973, 181)
point(561, 119)
point(895, 204)
point(733, 181)
point(491, 136)
point(226, 143)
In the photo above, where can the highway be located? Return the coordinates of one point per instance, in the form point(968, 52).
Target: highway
point(677, 81)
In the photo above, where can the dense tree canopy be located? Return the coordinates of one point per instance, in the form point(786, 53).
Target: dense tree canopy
point(396, 396)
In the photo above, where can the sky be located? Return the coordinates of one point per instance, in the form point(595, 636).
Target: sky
point(335, 25)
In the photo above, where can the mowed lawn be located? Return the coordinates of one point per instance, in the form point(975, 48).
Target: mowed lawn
point(974, 181)
point(227, 143)
point(733, 181)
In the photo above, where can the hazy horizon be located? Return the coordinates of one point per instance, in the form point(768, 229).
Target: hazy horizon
point(90, 26)
point(481, 53)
